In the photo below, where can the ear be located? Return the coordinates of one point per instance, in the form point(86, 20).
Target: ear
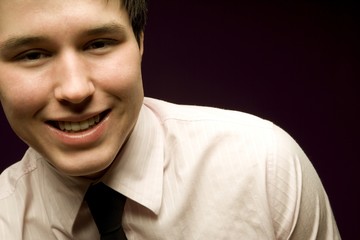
point(141, 43)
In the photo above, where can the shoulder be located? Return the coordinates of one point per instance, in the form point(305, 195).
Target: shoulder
point(258, 152)
point(15, 193)
point(176, 113)
point(245, 130)
point(246, 138)
point(14, 176)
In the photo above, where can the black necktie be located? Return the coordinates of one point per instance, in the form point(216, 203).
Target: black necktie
point(106, 206)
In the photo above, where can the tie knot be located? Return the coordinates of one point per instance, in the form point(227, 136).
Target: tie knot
point(106, 206)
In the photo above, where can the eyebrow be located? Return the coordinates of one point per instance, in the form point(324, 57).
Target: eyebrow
point(17, 42)
point(105, 29)
point(21, 41)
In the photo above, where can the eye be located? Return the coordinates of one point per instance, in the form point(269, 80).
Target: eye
point(32, 55)
point(100, 44)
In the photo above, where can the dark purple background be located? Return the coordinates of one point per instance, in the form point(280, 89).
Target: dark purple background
point(294, 64)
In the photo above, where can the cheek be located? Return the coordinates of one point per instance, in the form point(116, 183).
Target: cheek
point(121, 78)
point(22, 95)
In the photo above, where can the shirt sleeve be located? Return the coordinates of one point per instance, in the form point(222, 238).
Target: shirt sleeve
point(299, 205)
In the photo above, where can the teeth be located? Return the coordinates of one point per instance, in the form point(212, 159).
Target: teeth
point(79, 126)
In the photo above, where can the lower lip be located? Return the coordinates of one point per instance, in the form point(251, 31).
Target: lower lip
point(83, 138)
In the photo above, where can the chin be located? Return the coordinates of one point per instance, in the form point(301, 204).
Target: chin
point(89, 169)
point(85, 172)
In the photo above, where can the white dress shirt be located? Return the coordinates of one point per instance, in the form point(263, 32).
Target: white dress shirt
point(189, 173)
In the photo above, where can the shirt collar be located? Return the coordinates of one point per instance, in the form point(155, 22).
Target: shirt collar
point(61, 194)
point(137, 173)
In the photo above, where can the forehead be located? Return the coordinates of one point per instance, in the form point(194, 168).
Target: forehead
point(45, 3)
point(21, 16)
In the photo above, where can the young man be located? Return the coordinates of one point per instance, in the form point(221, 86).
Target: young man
point(71, 88)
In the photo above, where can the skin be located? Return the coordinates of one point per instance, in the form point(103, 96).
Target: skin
point(68, 61)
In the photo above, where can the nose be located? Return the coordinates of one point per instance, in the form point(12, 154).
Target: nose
point(74, 85)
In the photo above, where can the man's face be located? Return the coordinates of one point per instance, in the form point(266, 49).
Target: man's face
point(70, 79)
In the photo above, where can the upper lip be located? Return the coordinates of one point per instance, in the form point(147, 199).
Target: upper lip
point(78, 118)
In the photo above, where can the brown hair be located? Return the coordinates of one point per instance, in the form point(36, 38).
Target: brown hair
point(137, 10)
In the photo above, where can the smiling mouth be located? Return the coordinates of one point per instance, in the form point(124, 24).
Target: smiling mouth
point(74, 127)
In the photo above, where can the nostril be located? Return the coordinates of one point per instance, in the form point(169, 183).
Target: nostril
point(74, 96)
